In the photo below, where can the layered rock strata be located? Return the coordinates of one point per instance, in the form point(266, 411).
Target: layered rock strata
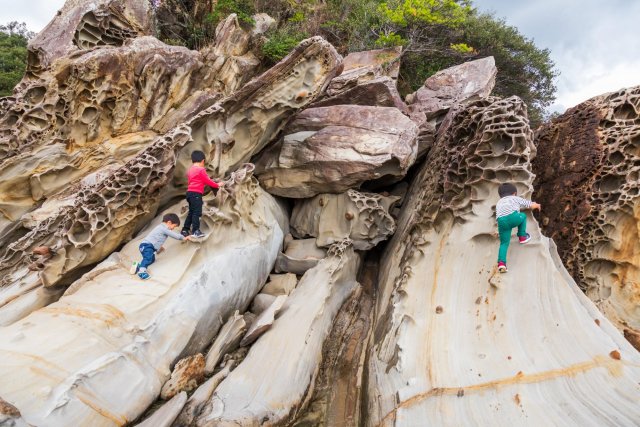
point(588, 174)
point(119, 204)
point(503, 348)
point(332, 149)
point(292, 349)
point(115, 337)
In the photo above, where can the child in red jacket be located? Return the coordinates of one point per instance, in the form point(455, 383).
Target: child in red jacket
point(197, 179)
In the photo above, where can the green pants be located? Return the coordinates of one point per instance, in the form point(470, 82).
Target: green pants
point(505, 225)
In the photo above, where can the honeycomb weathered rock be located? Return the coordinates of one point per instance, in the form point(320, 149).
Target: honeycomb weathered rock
point(450, 332)
point(361, 217)
point(103, 216)
point(100, 355)
point(98, 109)
point(588, 181)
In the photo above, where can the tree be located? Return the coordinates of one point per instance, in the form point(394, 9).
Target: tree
point(523, 69)
point(14, 38)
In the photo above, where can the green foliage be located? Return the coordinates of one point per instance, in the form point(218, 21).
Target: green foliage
point(424, 12)
point(244, 9)
point(435, 34)
point(461, 48)
point(13, 55)
point(523, 69)
point(280, 43)
point(390, 40)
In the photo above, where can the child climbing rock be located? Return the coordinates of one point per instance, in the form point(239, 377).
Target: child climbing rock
point(154, 241)
point(197, 179)
point(509, 216)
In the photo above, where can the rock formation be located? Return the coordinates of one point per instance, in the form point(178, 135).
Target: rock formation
point(429, 104)
point(306, 315)
point(489, 346)
point(116, 337)
point(126, 198)
point(332, 149)
point(588, 172)
point(294, 344)
point(362, 218)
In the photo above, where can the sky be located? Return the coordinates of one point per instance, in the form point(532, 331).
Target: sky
point(594, 43)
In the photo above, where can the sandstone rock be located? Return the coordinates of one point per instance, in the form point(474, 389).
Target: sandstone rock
point(587, 180)
point(119, 335)
point(118, 206)
point(300, 256)
point(429, 104)
point(95, 111)
point(332, 149)
point(380, 92)
point(10, 416)
point(280, 284)
point(361, 217)
point(186, 375)
point(292, 349)
point(85, 24)
point(521, 339)
point(167, 413)
point(201, 396)
point(362, 67)
point(227, 340)
point(264, 321)
point(261, 302)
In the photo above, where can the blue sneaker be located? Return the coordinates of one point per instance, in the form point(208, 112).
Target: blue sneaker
point(144, 275)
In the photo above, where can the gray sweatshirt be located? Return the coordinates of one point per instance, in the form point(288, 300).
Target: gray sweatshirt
point(159, 235)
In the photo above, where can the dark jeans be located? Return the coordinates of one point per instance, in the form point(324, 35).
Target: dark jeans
point(148, 255)
point(192, 222)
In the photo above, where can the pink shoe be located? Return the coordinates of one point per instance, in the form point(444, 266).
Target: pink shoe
point(502, 267)
point(524, 239)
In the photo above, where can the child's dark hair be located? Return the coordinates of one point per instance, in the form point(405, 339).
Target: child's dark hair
point(197, 156)
point(507, 189)
point(172, 218)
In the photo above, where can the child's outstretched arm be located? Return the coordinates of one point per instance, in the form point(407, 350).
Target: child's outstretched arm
point(535, 205)
point(208, 180)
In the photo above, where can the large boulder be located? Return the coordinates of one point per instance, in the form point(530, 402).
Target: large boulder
point(452, 336)
point(332, 149)
point(362, 67)
point(361, 217)
point(429, 104)
point(100, 355)
point(587, 179)
point(82, 25)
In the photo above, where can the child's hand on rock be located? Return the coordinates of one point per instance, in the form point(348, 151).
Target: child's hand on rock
point(535, 205)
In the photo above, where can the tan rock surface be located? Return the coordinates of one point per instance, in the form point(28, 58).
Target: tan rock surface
point(280, 284)
point(522, 348)
point(300, 256)
point(361, 217)
point(332, 149)
point(227, 340)
point(429, 104)
point(292, 349)
point(588, 174)
point(116, 336)
point(119, 204)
